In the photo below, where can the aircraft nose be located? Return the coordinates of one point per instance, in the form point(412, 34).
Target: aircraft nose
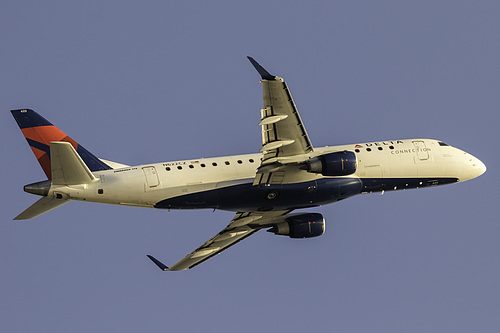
point(473, 167)
point(481, 167)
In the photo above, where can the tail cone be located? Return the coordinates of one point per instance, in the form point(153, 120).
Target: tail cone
point(39, 188)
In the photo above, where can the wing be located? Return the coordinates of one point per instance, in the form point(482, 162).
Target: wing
point(241, 226)
point(285, 144)
point(284, 137)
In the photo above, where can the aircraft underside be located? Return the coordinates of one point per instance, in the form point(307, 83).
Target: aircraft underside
point(246, 197)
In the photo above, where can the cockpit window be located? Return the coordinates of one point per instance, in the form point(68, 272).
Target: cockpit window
point(443, 144)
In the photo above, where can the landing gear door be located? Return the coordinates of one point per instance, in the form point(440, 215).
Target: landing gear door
point(151, 176)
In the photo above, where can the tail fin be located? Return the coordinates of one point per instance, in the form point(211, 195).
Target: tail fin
point(39, 132)
point(67, 168)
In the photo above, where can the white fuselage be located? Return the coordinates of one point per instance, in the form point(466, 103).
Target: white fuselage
point(381, 166)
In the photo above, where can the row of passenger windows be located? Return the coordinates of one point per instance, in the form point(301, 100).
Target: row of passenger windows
point(203, 165)
point(369, 149)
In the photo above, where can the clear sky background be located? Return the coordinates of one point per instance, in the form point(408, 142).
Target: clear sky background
point(150, 81)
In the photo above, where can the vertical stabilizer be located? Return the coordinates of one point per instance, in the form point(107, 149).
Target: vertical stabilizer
point(67, 168)
point(39, 133)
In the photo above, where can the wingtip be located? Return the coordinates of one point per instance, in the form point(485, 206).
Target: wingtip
point(263, 73)
point(158, 263)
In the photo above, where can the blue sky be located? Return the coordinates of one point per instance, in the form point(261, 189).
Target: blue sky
point(158, 81)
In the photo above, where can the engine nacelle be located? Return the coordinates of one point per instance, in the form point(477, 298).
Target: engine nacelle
point(301, 226)
point(341, 163)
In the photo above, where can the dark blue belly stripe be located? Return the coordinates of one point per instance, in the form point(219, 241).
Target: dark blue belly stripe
point(245, 197)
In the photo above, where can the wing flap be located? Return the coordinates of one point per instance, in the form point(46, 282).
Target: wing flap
point(243, 225)
point(284, 137)
point(281, 122)
point(213, 247)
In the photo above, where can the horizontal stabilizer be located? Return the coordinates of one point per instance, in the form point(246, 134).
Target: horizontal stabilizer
point(41, 206)
point(67, 166)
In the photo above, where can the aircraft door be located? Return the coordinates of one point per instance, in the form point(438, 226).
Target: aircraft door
point(151, 176)
point(421, 150)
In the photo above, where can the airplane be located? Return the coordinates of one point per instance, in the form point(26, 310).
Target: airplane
point(262, 188)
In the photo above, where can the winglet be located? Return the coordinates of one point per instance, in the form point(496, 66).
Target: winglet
point(158, 263)
point(263, 73)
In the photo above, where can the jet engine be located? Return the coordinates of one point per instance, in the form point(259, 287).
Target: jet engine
point(300, 226)
point(341, 163)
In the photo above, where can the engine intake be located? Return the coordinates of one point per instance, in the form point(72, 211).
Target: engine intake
point(341, 163)
point(301, 226)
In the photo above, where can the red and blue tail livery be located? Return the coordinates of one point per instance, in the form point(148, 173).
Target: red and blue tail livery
point(39, 133)
point(288, 173)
